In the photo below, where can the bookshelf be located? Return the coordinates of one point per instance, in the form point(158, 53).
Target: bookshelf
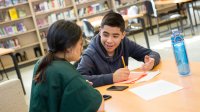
point(18, 31)
point(48, 11)
point(91, 8)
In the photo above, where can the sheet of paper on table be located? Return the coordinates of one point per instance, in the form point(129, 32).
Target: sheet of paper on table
point(155, 89)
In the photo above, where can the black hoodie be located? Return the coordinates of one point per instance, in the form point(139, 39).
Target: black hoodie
point(97, 67)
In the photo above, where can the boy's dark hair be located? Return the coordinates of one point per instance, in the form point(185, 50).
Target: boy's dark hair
point(61, 35)
point(113, 19)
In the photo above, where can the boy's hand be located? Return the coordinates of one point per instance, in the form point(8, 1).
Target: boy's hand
point(121, 74)
point(148, 63)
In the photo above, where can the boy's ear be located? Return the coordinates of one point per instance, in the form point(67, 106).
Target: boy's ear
point(99, 29)
point(124, 34)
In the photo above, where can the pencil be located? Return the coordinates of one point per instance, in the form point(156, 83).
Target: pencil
point(123, 61)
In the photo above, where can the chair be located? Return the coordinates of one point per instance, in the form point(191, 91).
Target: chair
point(136, 23)
point(170, 15)
point(88, 29)
point(133, 10)
point(196, 7)
point(12, 97)
point(88, 32)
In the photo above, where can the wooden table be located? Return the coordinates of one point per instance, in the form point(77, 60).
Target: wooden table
point(164, 2)
point(96, 23)
point(4, 51)
point(184, 100)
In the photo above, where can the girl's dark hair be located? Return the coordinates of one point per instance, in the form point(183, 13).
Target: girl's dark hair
point(113, 19)
point(61, 35)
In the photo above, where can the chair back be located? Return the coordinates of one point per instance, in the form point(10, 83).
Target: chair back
point(12, 97)
point(132, 11)
point(88, 29)
point(151, 8)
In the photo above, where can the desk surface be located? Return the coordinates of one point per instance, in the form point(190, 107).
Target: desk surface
point(184, 100)
point(4, 51)
point(163, 2)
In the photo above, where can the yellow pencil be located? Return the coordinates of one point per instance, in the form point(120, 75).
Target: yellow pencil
point(123, 61)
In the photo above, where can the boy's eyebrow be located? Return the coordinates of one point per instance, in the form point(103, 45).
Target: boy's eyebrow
point(116, 34)
point(105, 32)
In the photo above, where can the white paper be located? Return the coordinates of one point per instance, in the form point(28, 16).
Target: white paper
point(149, 76)
point(155, 89)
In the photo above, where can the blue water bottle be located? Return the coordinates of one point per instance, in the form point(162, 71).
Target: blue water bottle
point(180, 53)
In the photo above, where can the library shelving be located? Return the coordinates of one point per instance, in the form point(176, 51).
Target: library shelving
point(91, 8)
point(18, 31)
point(48, 11)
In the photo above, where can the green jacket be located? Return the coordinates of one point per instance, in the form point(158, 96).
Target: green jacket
point(64, 90)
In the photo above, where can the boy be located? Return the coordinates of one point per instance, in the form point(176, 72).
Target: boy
point(101, 63)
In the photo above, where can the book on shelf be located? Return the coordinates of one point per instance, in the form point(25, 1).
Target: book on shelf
point(16, 42)
point(2, 32)
point(21, 13)
point(62, 3)
point(41, 7)
point(93, 9)
point(117, 3)
point(43, 35)
point(1, 16)
point(14, 2)
point(36, 8)
point(4, 16)
point(49, 5)
point(11, 30)
point(21, 27)
point(45, 5)
point(8, 3)
point(2, 3)
point(60, 16)
point(11, 43)
point(13, 14)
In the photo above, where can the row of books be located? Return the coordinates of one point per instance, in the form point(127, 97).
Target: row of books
point(93, 9)
point(51, 4)
point(133, 10)
point(14, 29)
point(67, 15)
point(43, 35)
point(6, 3)
point(12, 14)
point(12, 43)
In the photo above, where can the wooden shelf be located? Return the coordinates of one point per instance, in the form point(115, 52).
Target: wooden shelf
point(89, 1)
point(30, 60)
point(89, 15)
point(14, 5)
point(52, 10)
point(128, 5)
point(26, 46)
point(35, 1)
point(29, 16)
point(21, 33)
point(47, 26)
point(23, 62)
point(43, 27)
